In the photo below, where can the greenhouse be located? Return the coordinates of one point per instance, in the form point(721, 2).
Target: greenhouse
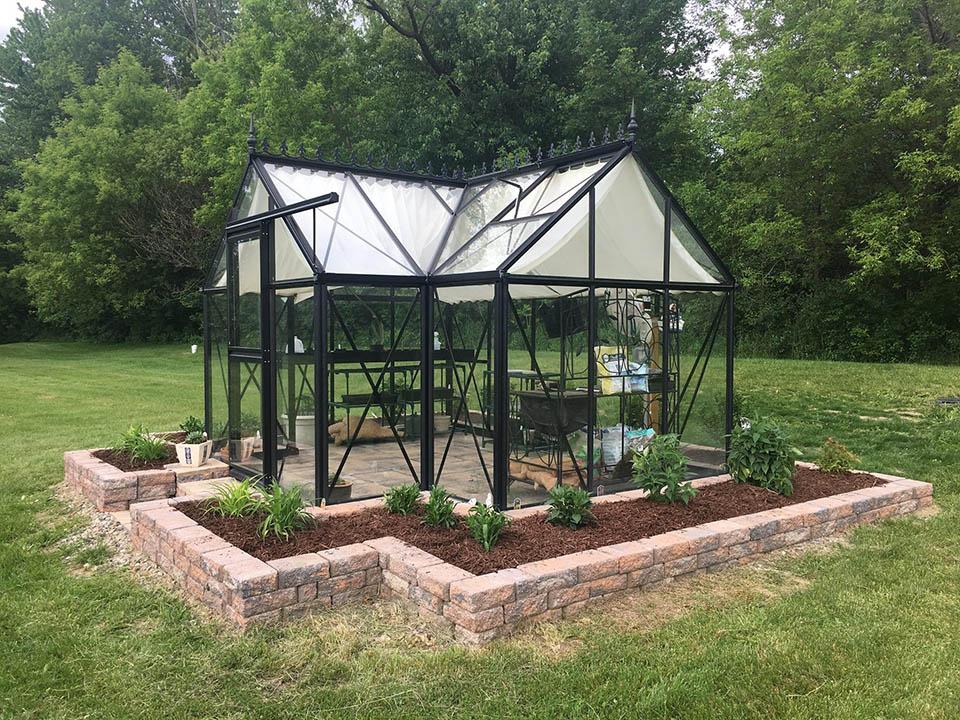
point(496, 334)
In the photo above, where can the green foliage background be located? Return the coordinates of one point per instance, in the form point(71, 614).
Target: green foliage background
point(819, 150)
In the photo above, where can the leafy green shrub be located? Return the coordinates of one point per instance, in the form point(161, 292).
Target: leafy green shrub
point(193, 427)
point(438, 512)
point(284, 512)
point(761, 454)
point(486, 524)
point(569, 506)
point(237, 499)
point(835, 457)
point(660, 470)
point(138, 444)
point(402, 499)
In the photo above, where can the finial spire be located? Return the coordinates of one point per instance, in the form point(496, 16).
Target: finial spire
point(632, 126)
point(251, 137)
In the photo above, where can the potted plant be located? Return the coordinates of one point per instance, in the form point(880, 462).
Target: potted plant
point(242, 449)
point(195, 448)
point(341, 490)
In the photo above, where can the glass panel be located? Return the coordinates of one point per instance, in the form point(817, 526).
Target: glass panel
point(548, 392)
point(246, 428)
point(254, 198)
point(689, 261)
point(217, 329)
point(629, 225)
point(698, 342)
point(247, 254)
point(296, 396)
point(463, 390)
point(218, 276)
point(374, 380)
point(564, 251)
point(490, 248)
point(289, 262)
point(553, 192)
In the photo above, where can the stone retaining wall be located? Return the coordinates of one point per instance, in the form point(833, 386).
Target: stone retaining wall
point(480, 608)
point(111, 489)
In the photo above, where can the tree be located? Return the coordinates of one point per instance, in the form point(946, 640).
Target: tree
point(833, 130)
point(92, 203)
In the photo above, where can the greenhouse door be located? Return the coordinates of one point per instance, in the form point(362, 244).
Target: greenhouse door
point(250, 394)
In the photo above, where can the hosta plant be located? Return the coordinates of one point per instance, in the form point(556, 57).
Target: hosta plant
point(835, 457)
point(486, 524)
point(236, 499)
point(402, 499)
point(661, 469)
point(284, 512)
point(761, 454)
point(438, 510)
point(569, 506)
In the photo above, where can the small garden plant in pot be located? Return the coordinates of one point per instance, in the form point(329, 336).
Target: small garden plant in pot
point(761, 454)
point(196, 448)
point(661, 468)
point(341, 490)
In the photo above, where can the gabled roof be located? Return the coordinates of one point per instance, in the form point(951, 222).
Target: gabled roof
point(531, 220)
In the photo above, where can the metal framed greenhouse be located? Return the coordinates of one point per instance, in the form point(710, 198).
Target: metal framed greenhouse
point(497, 334)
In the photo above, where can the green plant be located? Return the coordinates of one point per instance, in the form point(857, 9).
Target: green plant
point(761, 454)
point(140, 446)
point(402, 499)
point(835, 457)
point(486, 524)
point(249, 424)
point(660, 469)
point(193, 427)
point(438, 511)
point(283, 512)
point(237, 499)
point(569, 506)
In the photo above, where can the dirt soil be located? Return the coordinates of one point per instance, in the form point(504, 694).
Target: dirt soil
point(529, 539)
point(121, 460)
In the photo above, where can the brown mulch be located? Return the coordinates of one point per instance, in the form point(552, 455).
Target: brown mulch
point(529, 539)
point(121, 460)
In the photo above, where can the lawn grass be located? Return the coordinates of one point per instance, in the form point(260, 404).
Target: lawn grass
point(869, 629)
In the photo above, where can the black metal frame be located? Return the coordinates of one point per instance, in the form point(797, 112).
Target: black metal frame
point(426, 285)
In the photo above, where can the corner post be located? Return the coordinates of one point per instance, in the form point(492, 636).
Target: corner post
point(426, 386)
point(729, 378)
point(501, 399)
point(321, 487)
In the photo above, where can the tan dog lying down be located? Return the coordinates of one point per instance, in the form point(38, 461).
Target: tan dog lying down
point(370, 431)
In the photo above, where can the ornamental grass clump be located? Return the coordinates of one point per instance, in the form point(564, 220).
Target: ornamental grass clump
point(438, 510)
point(486, 524)
point(835, 457)
point(402, 499)
point(237, 499)
point(761, 454)
point(140, 446)
point(569, 506)
point(284, 512)
point(661, 468)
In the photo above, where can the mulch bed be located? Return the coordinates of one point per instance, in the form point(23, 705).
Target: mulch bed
point(121, 460)
point(530, 538)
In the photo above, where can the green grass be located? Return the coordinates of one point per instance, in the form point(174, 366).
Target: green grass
point(866, 630)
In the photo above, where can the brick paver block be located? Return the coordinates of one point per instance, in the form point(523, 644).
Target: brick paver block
point(474, 621)
point(593, 564)
point(436, 579)
point(552, 573)
point(524, 608)
point(482, 592)
point(350, 558)
point(526, 585)
point(409, 561)
point(301, 569)
point(671, 545)
point(249, 576)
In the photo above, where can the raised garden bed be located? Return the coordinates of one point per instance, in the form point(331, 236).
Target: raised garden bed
point(479, 607)
point(528, 539)
point(111, 485)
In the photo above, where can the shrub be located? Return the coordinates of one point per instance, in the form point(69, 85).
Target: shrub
point(486, 524)
point(138, 444)
point(284, 512)
point(569, 506)
point(438, 512)
point(660, 469)
point(402, 499)
point(237, 499)
point(761, 454)
point(193, 427)
point(835, 457)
